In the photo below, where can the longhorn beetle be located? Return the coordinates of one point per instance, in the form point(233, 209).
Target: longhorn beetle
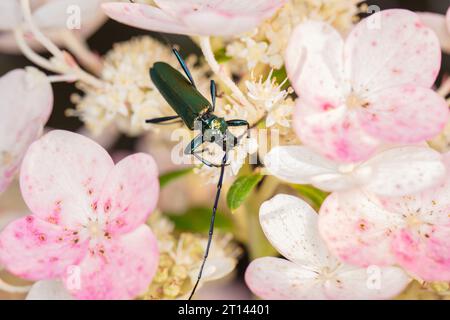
point(195, 111)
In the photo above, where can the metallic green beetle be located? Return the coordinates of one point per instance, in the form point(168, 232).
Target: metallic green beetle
point(197, 113)
point(193, 109)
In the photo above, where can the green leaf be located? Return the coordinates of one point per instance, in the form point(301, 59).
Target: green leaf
point(221, 55)
point(314, 195)
point(241, 189)
point(167, 178)
point(198, 219)
point(281, 75)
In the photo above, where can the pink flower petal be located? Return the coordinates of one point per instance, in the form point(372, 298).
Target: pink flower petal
point(62, 176)
point(357, 229)
point(315, 66)
point(447, 18)
point(260, 8)
point(130, 193)
point(398, 50)
point(209, 17)
point(335, 134)
point(367, 283)
point(279, 279)
point(219, 24)
point(35, 249)
point(26, 101)
point(426, 255)
point(405, 114)
point(144, 17)
point(438, 23)
point(54, 14)
point(120, 269)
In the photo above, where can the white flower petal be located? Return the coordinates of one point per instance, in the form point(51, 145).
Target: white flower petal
point(405, 170)
point(48, 290)
point(367, 283)
point(26, 101)
point(279, 279)
point(297, 164)
point(55, 14)
point(290, 224)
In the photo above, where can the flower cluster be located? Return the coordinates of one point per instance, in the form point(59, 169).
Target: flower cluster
point(180, 259)
point(266, 45)
point(128, 97)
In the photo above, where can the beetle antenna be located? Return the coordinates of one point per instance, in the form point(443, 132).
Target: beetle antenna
point(211, 226)
point(184, 66)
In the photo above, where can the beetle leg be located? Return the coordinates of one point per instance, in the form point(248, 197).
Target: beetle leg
point(239, 123)
point(184, 66)
point(193, 146)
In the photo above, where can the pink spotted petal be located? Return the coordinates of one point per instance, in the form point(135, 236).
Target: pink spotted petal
point(123, 270)
point(440, 25)
point(405, 114)
point(371, 283)
point(278, 279)
point(130, 193)
point(335, 134)
point(357, 229)
point(392, 48)
point(426, 255)
point(26, 101)
point(34, 249)
point(314, 64)
point(62, 176)
point(144, 17)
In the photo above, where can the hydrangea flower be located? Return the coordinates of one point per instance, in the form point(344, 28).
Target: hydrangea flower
point(87, 226)
point(311, 272)
point(195, 17)
point(51, 16)
point(371, 89)
point(411, 231)
point(393, 172)
point(441, 25)
point(181, 255)
point(26, 101)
